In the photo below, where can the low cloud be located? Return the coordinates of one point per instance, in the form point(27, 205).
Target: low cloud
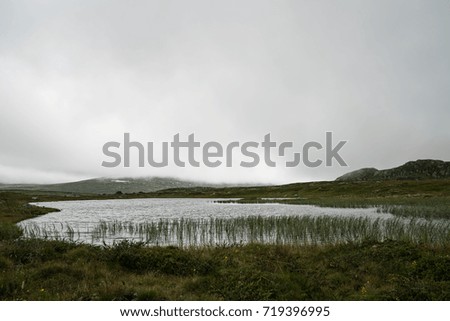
point(77, 75)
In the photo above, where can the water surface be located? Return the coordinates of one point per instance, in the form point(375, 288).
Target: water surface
point(97, 221)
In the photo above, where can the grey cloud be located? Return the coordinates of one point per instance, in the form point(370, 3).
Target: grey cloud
point(78, 74)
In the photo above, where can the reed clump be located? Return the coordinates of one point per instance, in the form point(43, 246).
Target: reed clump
point(295, 230)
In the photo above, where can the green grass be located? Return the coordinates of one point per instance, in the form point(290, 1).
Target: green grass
point(390, 270)
point(402, 190)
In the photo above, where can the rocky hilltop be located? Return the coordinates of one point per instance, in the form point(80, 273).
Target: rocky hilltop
point(419, 169)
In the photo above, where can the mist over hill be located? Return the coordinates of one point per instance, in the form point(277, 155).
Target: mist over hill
point(112, 185)
point(413, 170)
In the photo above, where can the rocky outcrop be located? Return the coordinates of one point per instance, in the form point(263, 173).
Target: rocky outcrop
point(419, 169)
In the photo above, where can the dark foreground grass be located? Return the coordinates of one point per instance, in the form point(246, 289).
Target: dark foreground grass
point(53, 270)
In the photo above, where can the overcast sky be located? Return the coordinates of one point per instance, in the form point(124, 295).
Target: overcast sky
point(77, 74)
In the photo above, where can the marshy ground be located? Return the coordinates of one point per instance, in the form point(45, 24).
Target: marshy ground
point(362, 269)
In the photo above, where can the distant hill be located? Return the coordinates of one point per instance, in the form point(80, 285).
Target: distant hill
point(111, 185)
point(419, 169)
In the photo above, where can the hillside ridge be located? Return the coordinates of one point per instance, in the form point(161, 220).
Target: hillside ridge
point(419, 169)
